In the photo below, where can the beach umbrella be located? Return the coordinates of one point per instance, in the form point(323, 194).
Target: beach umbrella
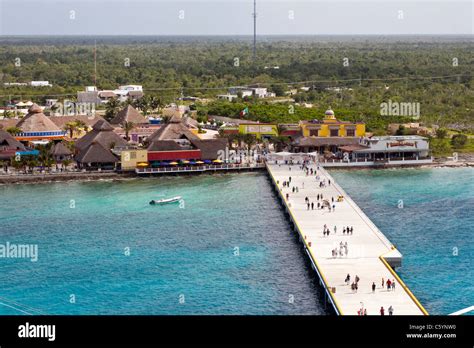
point(199, 162)
point(207, 161)
point(142, 164)
point(217, 161)
point(192, 162)
point(164, 164)
point(173, 163)
point(184, 162)
point(155, 164)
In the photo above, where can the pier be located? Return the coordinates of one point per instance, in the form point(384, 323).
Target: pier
point(371, 256)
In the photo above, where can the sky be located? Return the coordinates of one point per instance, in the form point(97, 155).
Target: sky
point(234, 17)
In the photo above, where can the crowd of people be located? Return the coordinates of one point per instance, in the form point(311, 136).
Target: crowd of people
point(341, 250)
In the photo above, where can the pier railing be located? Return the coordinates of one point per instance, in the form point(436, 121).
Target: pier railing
point(204, 168)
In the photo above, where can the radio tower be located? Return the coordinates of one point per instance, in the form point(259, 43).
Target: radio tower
point(254, 31)
point(95, 64)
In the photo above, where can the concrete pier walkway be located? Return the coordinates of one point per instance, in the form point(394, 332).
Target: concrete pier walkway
point(369, 255)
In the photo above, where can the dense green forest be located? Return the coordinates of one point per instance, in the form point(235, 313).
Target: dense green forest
point(369, 71)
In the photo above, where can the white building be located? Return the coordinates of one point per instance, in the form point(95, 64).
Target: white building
point(40, 84)
point(131, 88)
point(389, 149)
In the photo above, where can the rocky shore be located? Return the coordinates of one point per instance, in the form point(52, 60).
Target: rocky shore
point(61, 177)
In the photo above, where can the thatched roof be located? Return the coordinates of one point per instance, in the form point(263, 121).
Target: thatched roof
point(175, 129)
point(61, 121)
point(96, 153)
point(36, 121)
point(129, 114)
point(210, 147)
point(164, 145)
point(60, 149)
point(103, 133)
point(8, 141)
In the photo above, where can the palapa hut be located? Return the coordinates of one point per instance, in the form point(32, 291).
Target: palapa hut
point(94, 148)
point(129, 114)
point(96, 156)
point(9, 145)
point(60, 152)
point(175, 129)
point(175, 141)
point(36, 126)
point(103, 133)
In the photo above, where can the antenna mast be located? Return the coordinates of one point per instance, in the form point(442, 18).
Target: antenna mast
point(254, 31)
point(95, 64)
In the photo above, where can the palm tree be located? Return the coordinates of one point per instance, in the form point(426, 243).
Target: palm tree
point(156, 103)
point(70, 127)
point(80, 124)
point(165, 119)
point(8, 114)
point(14, 130)
point(112, 108)
point(45, 157)
point(127, 127)
point(66, 163)
point(280, 129)
point(249, 140)
point(144, 105)
point(240, 138)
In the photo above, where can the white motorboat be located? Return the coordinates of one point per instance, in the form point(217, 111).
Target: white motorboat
point(165, 200)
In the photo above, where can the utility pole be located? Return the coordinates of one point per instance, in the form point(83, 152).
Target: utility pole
point(95, 64)
point(254, 32)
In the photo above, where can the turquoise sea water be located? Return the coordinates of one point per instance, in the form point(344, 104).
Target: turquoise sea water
point(429, 215)
point(229, 250)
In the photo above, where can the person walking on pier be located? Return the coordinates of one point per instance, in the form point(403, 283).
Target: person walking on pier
point(312, 205)
point(348, 278)
point(373, 286)
point(390, 310)
point(335, 229)
point(393, 285)
point(344, 231)
point(333, 207)
point(382, 311)
point(388, 284)
point(307, 204)
point(287, 196)
point(289, 179)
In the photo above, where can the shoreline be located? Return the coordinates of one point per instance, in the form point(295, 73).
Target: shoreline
point(117, 176)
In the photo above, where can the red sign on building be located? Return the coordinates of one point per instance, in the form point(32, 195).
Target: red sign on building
point(173, 155)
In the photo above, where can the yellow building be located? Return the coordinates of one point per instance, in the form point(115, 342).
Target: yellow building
point(330, 126)
point(131, 158)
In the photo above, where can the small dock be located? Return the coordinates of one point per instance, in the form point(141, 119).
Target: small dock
point(371, 256)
